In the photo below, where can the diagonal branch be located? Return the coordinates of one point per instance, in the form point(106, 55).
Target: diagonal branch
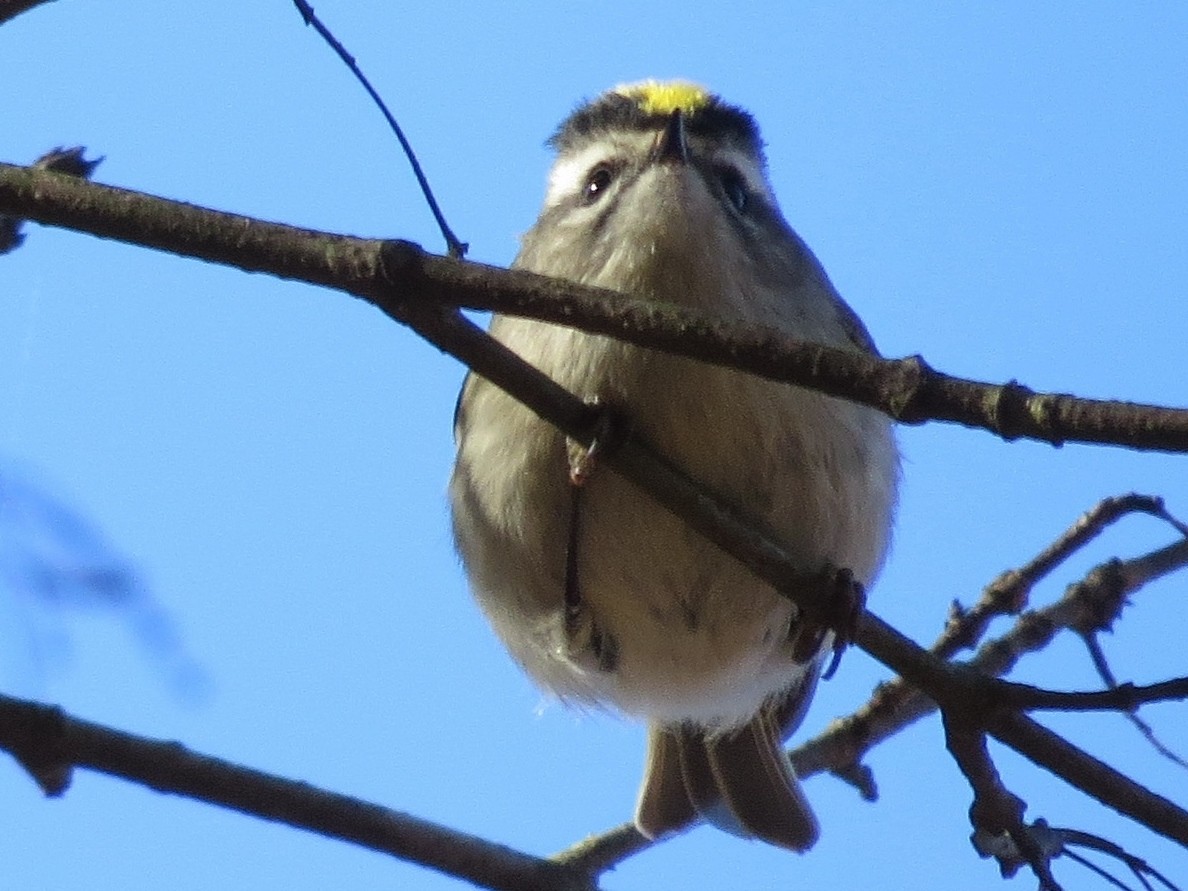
point(1091, 775)
point(906, 389)
point(49, 742)
point(896, 703)
point(10, 9)
point(454, 246)
point(1008, 594)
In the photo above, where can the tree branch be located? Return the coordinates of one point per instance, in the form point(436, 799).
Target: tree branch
point(897, 703)
point(996, 812)
point(906, 389)
point(49, 742)
point(10, 9)
point(1122, 698)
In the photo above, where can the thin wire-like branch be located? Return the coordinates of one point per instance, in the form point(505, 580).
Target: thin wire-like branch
point(10, 9)
point(1137, 865)
point(906, 389)
point(454, 247)
point(50, 742)
point(1102, 666)
point(1102, 873)
point(1153, 740)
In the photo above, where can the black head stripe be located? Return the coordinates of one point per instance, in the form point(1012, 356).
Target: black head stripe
point(615, 112)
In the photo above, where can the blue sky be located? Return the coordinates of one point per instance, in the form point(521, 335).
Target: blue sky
point(1000, 188)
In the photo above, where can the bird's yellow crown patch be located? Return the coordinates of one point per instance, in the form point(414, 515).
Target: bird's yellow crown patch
point(665, 97)
point(642, 106)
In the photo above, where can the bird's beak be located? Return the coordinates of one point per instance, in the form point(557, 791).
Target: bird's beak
point(671, 146)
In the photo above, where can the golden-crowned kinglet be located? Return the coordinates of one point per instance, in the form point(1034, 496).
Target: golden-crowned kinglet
point(660, 191)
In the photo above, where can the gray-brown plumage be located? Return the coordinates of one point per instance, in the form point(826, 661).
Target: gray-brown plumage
point(660, 191)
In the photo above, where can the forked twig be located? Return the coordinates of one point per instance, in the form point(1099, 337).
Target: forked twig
point(996, 813)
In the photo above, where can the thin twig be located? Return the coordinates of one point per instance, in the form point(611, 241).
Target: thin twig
point(1102, 873)
point(1155, 742)
point(1120, 697)
point(1008, 594)
point(1091, 775)
point(1093, 601)
point(896, 703)
point(1139, 867)
point(454, 247)
point(1102, 665)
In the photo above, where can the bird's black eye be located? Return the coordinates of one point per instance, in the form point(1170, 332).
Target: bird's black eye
point(597, 182)
point(734, 187)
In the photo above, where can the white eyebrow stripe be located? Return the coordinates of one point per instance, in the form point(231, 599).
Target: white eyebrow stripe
point(568, 176)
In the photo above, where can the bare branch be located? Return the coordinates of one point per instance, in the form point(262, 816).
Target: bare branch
point(406, 277)
point(69, 161)
point(996, 813)
point(1091, 775)
point(1122, 698)
point(598, 853)
point(10, 9)
point(1008, 594)
point(1092, 603)
point(1138, 867)
point(50, 742)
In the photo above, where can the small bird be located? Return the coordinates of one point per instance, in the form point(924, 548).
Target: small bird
point(660, 191)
